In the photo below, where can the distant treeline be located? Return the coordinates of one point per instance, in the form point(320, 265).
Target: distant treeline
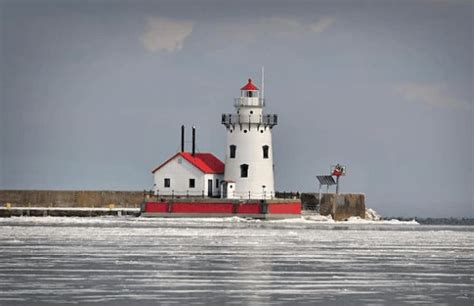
point(436, 221)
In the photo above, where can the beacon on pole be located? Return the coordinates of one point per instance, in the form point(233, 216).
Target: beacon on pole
point(249, 151)
point(338, 171)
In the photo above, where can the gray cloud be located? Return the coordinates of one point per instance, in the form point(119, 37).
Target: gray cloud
point(322, 24)
point(165, 34)
point(272, 26)
point(430, 94)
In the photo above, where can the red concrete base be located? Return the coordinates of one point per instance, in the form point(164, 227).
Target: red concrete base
point(208, 208)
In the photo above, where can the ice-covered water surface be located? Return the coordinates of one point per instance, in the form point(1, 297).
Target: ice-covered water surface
point(119, 261)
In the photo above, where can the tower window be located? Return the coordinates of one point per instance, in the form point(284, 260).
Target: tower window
point(167, 183)
point(249, 94)
point(265, 151)
point(244, 170)
point(233, 148)
point(217, 183)
point(192, 183)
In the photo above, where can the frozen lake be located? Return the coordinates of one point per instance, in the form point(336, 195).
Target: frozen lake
point(123, 261)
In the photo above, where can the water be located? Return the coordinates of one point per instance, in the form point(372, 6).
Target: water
point(120, 261)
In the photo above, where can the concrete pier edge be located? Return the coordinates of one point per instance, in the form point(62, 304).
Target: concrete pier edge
point(340, 207)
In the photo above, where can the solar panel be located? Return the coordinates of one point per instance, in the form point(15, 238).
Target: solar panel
point(326, 180)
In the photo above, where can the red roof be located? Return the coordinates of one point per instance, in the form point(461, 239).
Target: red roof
point(206, 162)
point(249, 86)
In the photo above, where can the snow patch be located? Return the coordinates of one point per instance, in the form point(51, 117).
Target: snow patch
point(358, 220)
point(371, 214)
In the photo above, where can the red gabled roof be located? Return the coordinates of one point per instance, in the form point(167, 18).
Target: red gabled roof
point(249, 86)
point(206, 162)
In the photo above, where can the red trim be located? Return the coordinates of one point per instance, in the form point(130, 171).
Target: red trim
point(156, 207)
point(206, 162)
point(249, 86)
point(284, 208)
point(291, 208)
point(210, 208)
point(249, 208)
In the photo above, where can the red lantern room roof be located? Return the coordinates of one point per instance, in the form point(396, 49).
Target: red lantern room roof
point(249, 86)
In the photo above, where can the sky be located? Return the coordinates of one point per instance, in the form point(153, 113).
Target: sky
point(93, 93)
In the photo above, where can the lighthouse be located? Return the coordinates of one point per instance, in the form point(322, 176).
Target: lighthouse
point(189, 183)
point(249, 153)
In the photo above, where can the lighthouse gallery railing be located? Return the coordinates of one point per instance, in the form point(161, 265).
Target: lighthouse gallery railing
point(265, 120)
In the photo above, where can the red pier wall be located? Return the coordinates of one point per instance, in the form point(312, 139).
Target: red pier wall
point(292, 208)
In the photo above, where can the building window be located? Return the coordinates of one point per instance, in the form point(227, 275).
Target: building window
point(265, 151)
point(244, 170)
point(217, 183)
point(167, 183)
point(192, 183)
point(233, 148)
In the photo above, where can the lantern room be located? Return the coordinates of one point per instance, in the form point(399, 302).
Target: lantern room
point(249, 96)
point(249, 90)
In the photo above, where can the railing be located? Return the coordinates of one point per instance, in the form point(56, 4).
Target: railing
point(247, 102)
point(182, 193)
point(265, 120)
point(202, 194)
point(251, 195)
point(288, 195)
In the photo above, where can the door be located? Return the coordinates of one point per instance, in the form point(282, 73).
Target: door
point(224, 190)
point(209, 188)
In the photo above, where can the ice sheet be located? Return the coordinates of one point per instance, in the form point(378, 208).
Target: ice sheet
point(123, 261)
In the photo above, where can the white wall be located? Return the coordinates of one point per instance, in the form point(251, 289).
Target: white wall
point(215, 188)
point(249, 151)
point(229, 191)
point(179, 170)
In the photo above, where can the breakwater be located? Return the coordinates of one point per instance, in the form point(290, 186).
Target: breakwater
point(72, 198)
point(340, 206)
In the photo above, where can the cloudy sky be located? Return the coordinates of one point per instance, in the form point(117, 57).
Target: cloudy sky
point(93, 92)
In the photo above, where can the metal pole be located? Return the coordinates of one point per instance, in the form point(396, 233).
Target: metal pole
point(194, 141)
point(337, 184)
point(319, 197)
point(182, 138)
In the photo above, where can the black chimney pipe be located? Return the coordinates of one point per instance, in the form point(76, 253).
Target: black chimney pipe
point(194, 140)
point(182, 138)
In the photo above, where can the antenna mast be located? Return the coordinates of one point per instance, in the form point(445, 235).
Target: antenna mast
point(263, 82)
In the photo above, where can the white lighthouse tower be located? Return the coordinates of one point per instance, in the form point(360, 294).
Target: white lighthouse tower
point(249, 153)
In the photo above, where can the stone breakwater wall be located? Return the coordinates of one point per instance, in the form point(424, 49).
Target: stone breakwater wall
point(340, 206)
point(69, 198)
